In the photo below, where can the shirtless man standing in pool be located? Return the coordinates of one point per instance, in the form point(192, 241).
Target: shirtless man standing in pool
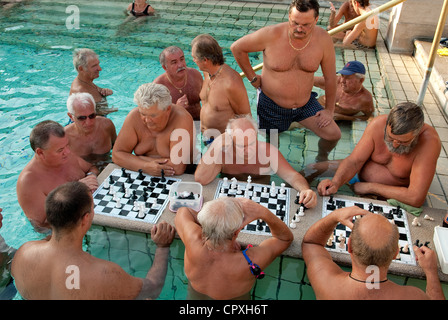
point(52, 165)
point(87, 65)
point(223, 93)
point(156, 135)
point(292, 53)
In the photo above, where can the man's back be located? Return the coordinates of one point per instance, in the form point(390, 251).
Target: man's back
point(42, 271)
point(222, 275)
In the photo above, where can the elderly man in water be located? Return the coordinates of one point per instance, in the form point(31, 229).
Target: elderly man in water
point(90, 136)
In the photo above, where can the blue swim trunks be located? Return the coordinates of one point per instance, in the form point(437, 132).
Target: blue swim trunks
point(272, 116)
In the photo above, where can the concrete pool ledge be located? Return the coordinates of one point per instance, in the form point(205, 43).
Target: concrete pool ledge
point(423, 233)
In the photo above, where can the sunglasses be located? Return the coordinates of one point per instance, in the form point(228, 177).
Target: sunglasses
point(254, 268)
point(84, 118)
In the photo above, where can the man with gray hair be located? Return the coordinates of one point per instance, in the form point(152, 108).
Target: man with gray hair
point(156, 135)
point(353, 101)
point(87, 65)
point(53, 164)
point(184, 83)
point(90, 137)
point(215, 266)
point(396, 158)
point(238, 153)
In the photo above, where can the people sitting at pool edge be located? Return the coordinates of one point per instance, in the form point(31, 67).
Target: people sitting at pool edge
point(184, 83)
point(214, 264)
point(372, 246)
point(89, 136)
point(353, 101)
point(62, 270)
point(87, 64)
point(53, 164)
point(395, 158)
point(156, 135)
point(239, 153)
point(364, 34)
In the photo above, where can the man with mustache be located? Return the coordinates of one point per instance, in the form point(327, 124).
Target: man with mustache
point(292, 52)
point(184, 83)
point(395, 158)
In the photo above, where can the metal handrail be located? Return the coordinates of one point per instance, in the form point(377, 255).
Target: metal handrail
point(349, 24)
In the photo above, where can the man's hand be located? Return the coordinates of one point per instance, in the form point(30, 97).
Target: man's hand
point(326, 188)
point(106, 92)
point(90, 181)
point(426, 258)
point(162, 234)
point(154, 167)
point(324, 118)
point(345, 215)
point(308, 197)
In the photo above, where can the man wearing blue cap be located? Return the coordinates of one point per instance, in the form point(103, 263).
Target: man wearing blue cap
point(353, 101)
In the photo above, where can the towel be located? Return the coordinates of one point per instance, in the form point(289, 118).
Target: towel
point(412, 210)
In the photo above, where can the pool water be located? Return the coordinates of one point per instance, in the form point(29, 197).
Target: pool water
point(36, 72)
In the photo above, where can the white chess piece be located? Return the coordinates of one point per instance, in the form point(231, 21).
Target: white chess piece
point(118, 203)
point(301, 212)
point(426, 217)
point(416, 223)
point(292, 225)
point(112, 190)
point(225, 181)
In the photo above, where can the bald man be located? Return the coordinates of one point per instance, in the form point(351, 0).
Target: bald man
point(372, 245)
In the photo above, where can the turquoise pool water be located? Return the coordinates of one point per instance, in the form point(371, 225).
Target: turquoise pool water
point(36, 72)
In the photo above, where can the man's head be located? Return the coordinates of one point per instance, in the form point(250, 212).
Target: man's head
point(303, 16)
point(86, 62)
point(172, 60)
point(154, 105)
point(81, 110)
point(204, 46)
point(373, 241)
point(221, 219)
point(353, 75)
point(49, 143)
point(243, 130)
point(403, 127)
point(67, 204)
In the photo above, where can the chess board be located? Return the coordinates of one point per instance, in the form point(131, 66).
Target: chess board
point(399, 218)
point(151, 193)
point(278, 204)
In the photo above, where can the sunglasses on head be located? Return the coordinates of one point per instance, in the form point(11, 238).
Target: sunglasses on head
point(84, 118)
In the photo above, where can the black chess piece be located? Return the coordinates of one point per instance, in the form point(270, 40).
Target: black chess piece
point(140, 175)
point(162, 174)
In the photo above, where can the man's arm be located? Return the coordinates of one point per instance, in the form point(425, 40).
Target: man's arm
point(32, 202)
point(122, 153)
point(237, 95)
point(162, 234)
point(428, 262)
point(253, 42)
point(213, 160)
point(181, 142)
point(284, 170)
point(282, 236)
point(353, 163)
point(317, 259)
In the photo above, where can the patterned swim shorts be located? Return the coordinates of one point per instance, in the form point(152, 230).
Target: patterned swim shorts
point(272, 116)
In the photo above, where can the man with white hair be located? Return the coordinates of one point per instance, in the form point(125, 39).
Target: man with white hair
point(155, 136)
point(353, 100)
point(90, 137)
point(215, 266)
point(87, 65)
point(239, 153)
